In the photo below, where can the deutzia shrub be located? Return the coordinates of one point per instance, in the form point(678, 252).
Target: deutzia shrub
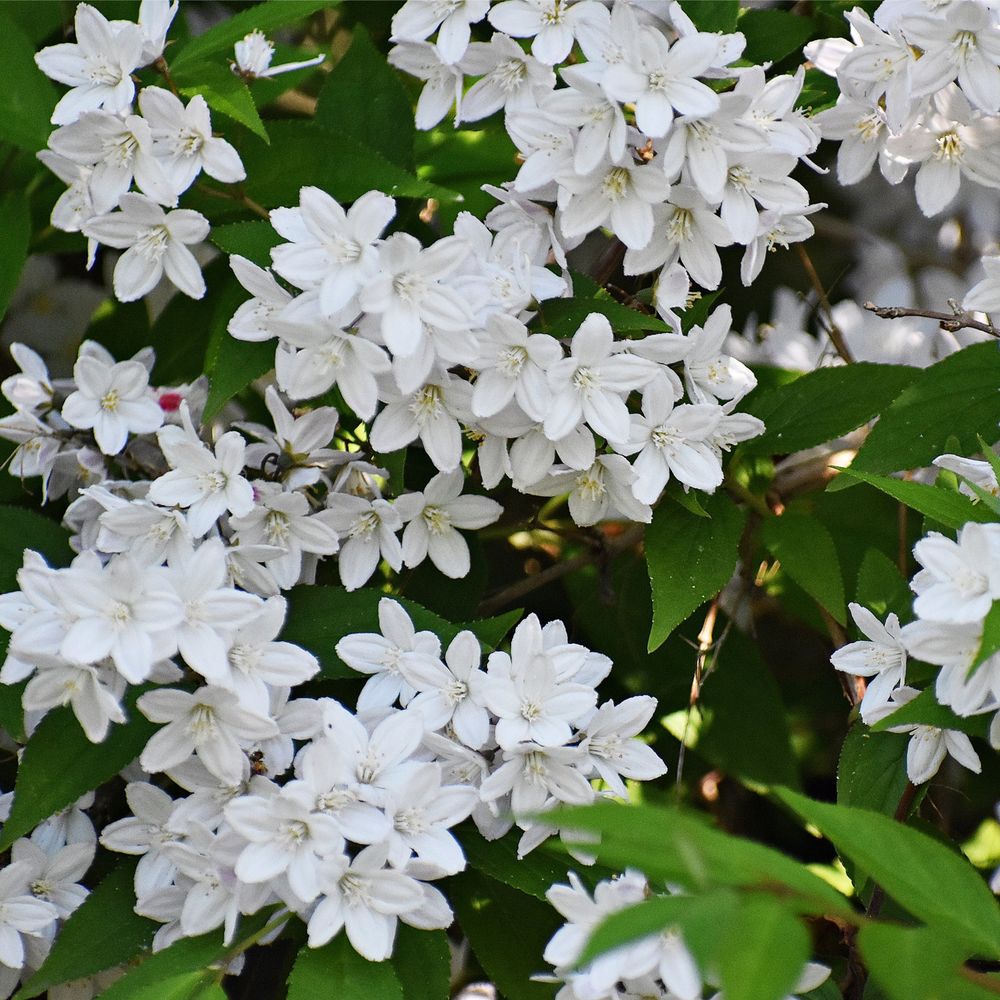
point(435, 499)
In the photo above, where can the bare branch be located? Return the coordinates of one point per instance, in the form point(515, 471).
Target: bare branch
point(953, 321)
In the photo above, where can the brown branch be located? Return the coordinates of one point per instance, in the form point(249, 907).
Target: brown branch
point(952, 322)
point(521, 588)
point(832, 330)
point(164, 70)
point(238, 196)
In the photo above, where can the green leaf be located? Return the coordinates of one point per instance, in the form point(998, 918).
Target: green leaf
point(955, 397)
point(337, 970)
point(651, 916)
point(925, 877)
point(690, 559)
point(105, 931)
point(263, 17)
point(27, 529)
point(562, 317)
point(767, 947)
point(59, 764)
point(990, 642)
point(341, 165)
point(231, 365)
point(224, 91)
point(808, 555)
point(823, 405)
point(363, 79)
point(924, 710)
point(678, 845)
point(917, 963)
point(871, 773)
point(714, 15)
point(29, 96)
point(773, 34)
point(253, 240)
point(507, 931)
point(319, 617)
point(881, 587)
point(736, 699)
point(422, 960)
point(533, 874)
point(14, 236)
point(945, 506)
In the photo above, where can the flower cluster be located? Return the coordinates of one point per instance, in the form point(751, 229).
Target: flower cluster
point(635, 140)
point(955, 590)
point(659, 966)
point(103, 150)
point(387, 321)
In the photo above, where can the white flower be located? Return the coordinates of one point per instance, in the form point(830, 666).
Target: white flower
point(929, 745)
point(673, 439)
point(450, 694)
point(253, 320)
point(417, 19)
point(254, 53)
point(331, 249)
point(368, 534)
point(93, 693)
point(443, 81)
point(708, 373)
point(55, 875)
point(601, 492)
point(609, 739)
point(20, 913)
point(389, 658)
point(365, 898)
point(510, 77)
point(98, 66)
point(591, 384)
point(551, 25)
point(183, 140)
point(286, 835)
point(155, 242)
point(119, 150)
point(437, 512)
point(883, 657)
point(960, 579)
point(112, 399)
point(207, 483)
point(532, 775)
point(155, 18)
point(985, 295)
point(208, 723)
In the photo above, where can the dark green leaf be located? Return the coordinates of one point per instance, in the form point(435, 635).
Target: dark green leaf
point(121, 327)
point(533, 874)
point(881, 587)
point(105, 931)
point(714, 15)
point(690, 559)
point(183, 971)
point(823, 405)
point(422, 960)
point(936, 885)
point(924, 710)
point(773, 34)
point(339, 164)
point(562, 317)
point(871, 773)
point(808, 555)
point(945, 506)
point(767, 946)
point(253, 240)
point(15, 232)
point(60, 764)
point(224, 91)
point(231, 365)
point(508, 932)
point(319, 617)
point(363, 79)
point(27, 529)
point(337, 970)
point(263, 17)
point(955, 397)
point(29, 96)
point(736, 698)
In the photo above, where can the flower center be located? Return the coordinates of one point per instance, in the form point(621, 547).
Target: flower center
point(152, 242)
point(586, 380)
point(427, 404)
point(615, 184)
point(365, 525)
point(680, 225)
point(110, 401)
point(438, 521)
point(511, 361)
point(949, 147)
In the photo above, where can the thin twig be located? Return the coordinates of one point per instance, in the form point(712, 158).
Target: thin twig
point(520, 588)
point(164, 70)
point(951, 322)
point(238, 196)
point(832, 330)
